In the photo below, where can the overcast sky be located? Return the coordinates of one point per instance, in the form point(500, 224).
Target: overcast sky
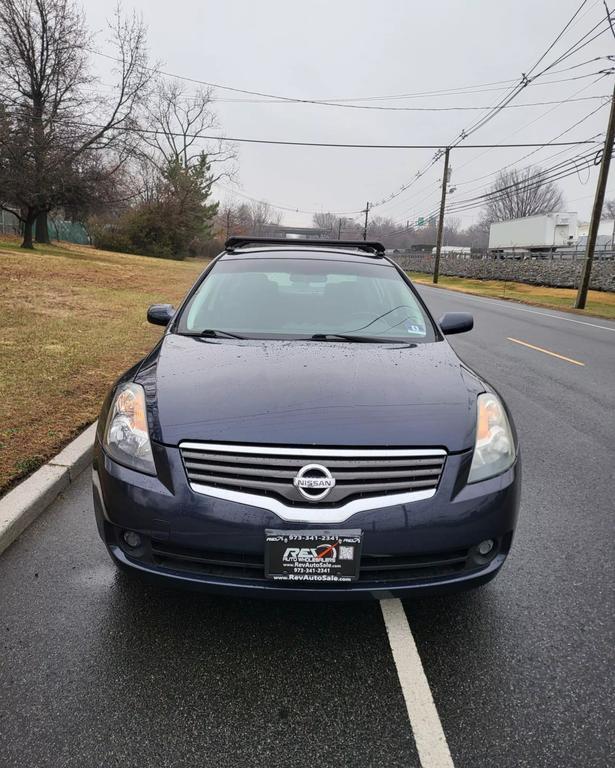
point(351, 49)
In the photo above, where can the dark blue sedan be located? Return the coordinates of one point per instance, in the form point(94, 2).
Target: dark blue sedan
point(304, 430)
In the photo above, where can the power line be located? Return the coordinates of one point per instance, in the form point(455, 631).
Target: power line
point(552, 175)
point(608, 13)
point(326, 144)
point(472, 206)
point(548, 112)
point(542, 174)
point(576, 47)
point(524, 157)
point(525, 81)
point(529, 154)
point(561, 34)
point(279, 98)
point(560, 170)
point(283, 207)
point(503, 103)
point(482, 121)
point(421, 109)
point(493, 173)
point(524, 185)
point(511, 165)
point(407, 186)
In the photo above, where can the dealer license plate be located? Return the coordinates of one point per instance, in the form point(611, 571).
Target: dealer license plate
point(315, 556)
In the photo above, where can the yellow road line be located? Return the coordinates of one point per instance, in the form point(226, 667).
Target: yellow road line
point(546, 351)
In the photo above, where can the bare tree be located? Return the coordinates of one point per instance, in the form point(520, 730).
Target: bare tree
point(54, 123)
point(178, 127)
point(340, 227)
point(349, 229)
point(524, 192)
point(233, 219)
point(326, 221)
point(475, 236)
point(608, 210)
point(382, 228)
point(261, 215)
point(177, 154)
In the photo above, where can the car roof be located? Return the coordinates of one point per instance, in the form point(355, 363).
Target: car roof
point(307, 251)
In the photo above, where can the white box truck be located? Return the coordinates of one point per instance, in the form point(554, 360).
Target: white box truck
point(543, 232)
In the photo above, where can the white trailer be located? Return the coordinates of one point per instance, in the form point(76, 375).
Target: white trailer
point(543, 232)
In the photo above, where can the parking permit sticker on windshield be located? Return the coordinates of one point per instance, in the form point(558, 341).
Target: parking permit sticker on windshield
point(416, 329)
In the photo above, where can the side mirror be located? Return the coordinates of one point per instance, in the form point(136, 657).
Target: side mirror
point(456, 322)
point(160, 314)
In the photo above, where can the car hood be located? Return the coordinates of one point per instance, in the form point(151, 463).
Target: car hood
point(309, 393)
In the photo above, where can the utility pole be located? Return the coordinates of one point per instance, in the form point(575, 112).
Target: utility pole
point(228, 221)
point(339, 229)
point(581, 299)
point(365, 227)
point(436, 265)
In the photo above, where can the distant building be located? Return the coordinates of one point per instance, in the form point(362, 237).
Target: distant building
point(415, 248)
point(606, 235)
point(295, 233)
point(458, 251)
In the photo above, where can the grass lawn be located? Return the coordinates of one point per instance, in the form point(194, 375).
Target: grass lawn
point(599, 303)
point(73, 318)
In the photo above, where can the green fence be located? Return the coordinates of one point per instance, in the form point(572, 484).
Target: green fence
point(59, 229)
point(70, 231)
point(9, 223)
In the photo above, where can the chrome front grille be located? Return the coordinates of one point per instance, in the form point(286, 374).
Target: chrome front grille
point(273, 471)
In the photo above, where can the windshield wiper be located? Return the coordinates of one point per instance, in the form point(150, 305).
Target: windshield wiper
point(215, 334)
point(358, 339)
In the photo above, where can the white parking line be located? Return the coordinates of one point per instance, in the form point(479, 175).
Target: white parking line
point(513, 306)
point(426, 727)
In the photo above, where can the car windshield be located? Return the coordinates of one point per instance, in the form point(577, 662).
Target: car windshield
point(304, 298)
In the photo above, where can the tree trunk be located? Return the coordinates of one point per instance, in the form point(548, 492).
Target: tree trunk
point(42, 228)
point(27, 229)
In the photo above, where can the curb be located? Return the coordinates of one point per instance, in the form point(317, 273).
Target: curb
point(29, 499)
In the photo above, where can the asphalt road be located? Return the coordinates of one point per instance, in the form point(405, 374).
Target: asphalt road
point(97, 671)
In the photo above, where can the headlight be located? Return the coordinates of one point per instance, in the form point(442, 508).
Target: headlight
point(126, 435)
point(494, 450)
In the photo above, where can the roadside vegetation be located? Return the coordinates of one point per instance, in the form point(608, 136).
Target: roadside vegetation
point(599, 303)
point(73, 318)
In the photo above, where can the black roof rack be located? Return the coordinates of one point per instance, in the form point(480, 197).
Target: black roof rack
point(367, 246)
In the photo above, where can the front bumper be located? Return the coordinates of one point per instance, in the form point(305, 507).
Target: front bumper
point(199, 541)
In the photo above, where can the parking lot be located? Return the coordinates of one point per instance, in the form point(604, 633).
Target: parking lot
point(98, 671)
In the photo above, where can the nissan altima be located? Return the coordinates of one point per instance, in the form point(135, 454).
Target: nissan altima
point(303, 429)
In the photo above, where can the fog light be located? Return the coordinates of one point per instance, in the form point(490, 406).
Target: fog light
point(132, 539)
point(485, 546)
